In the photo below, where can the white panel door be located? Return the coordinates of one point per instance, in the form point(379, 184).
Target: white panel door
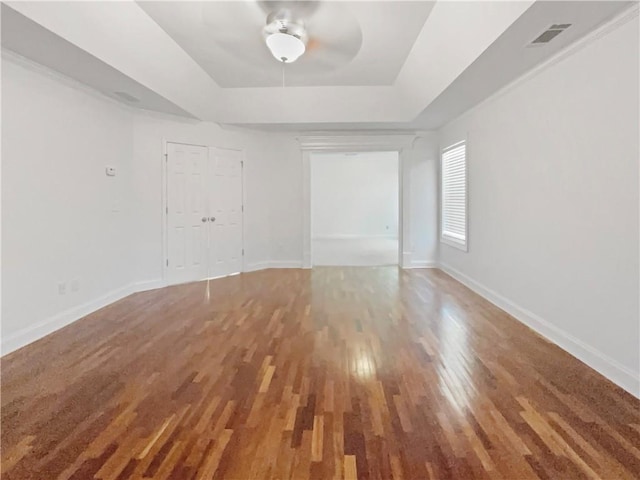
point(187, 218)
point(225, 211)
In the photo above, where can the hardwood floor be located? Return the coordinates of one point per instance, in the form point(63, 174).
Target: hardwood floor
point(330, 373)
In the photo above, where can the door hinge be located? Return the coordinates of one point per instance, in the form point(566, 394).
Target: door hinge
point(243, 251)
point(243, 208)
point(166, 209)
point(167, 262)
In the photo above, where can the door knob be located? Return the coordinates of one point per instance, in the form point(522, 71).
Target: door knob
point(204, 219)
point(212, 219)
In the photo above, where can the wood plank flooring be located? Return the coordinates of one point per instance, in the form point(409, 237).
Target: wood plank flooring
point(351, 373)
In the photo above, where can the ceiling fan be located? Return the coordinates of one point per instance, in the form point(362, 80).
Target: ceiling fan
point(285, 36)
point(326, 34)
point(286, 33)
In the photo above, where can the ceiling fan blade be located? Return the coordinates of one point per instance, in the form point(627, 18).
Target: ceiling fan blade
point(334, 33)
point(300, 9)
point(313, 44)
point(327, 56)
point(335, 37)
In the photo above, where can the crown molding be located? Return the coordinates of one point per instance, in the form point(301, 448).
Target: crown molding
point(359, 143)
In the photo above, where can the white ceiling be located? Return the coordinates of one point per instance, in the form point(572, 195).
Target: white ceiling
point(408, 65)
point(509, 57)
point(351, 43)
point(25, 37)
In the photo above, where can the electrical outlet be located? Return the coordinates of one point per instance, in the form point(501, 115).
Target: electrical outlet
point(62, 288)
point(75, 285)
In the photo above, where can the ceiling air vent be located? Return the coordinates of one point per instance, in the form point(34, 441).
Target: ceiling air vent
point(126, 97)
point(549, 34)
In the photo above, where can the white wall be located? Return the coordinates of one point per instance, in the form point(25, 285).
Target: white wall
point(553, 202)
point(150, 133)
point(286, 198)
point(63, 219)
point(423, 161)
point(283, 184)
point(354, 194)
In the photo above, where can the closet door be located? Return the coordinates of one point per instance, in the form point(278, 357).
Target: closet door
point(187, 218)
point(225, 212)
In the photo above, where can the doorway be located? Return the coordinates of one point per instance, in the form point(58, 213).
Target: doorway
point(204, 221)
point(355, 208)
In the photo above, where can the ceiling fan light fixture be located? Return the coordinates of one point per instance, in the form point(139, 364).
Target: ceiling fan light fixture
point(285, 47)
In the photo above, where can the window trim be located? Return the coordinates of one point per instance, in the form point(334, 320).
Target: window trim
point(448, 240)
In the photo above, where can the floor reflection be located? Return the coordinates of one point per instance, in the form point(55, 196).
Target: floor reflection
point(357, 331)
point(456, 364)
point(362, 366)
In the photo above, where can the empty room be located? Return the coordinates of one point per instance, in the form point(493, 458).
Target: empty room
point(320, 240)
point(354, 209)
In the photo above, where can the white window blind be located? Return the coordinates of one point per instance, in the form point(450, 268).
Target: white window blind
point(454, 195)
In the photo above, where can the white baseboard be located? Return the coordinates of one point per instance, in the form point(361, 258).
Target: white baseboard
point(41, 329)
point(35, 332)
point(254, 267)
point(423, 264)
point(406, 261)
point(603, 364)
point(285, 264)
point(148, 285)
point(348, 236)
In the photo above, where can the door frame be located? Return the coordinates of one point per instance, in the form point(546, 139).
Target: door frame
point(401, 143)
point(164, 207)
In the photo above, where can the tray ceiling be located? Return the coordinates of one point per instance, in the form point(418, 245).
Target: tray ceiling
point(351, 43)
point(408, 65)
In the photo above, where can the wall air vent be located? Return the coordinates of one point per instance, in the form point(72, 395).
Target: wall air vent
point(126, 97)
point(549, 34)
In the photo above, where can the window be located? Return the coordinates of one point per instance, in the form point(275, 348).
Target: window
point(454, 196)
